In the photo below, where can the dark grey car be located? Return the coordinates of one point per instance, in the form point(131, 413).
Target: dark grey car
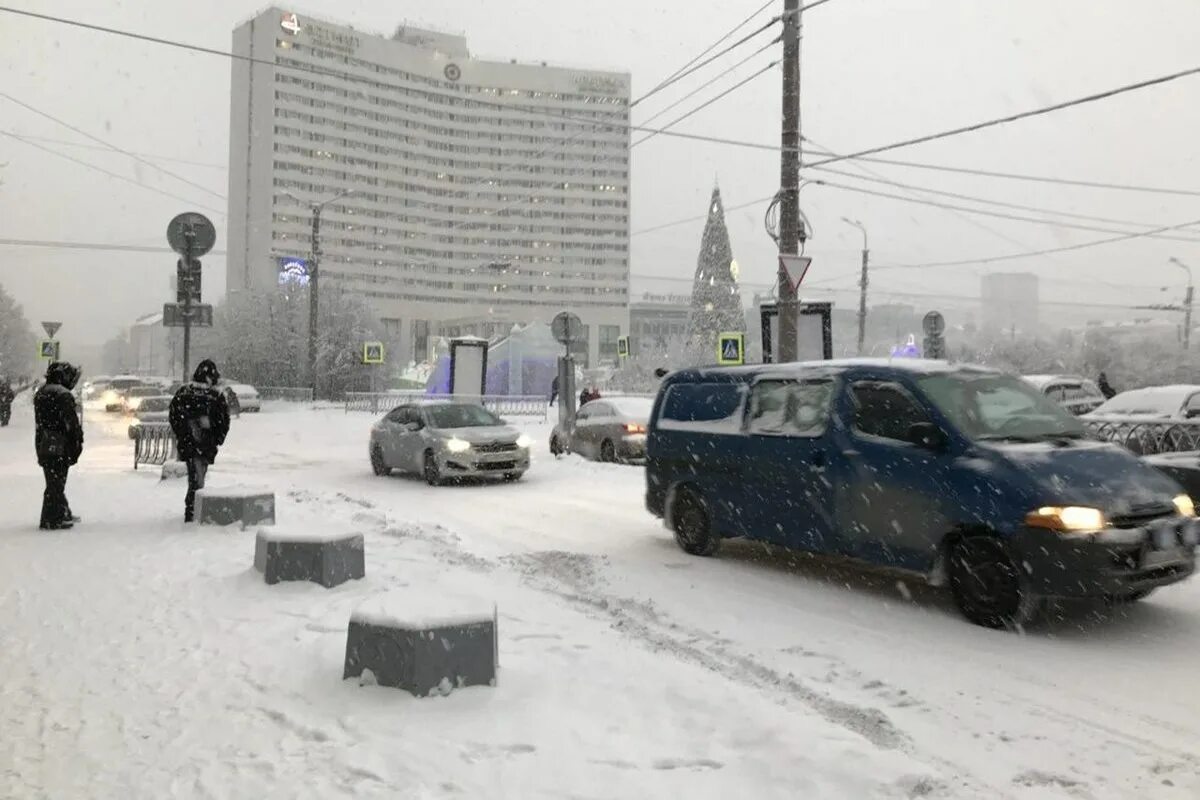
point(445, 440)
point(611, 430)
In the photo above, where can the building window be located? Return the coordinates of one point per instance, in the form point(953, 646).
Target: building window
point(608, 342)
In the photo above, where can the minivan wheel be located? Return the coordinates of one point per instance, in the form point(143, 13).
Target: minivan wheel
point(432, 473)
point(378, 466)
point(693, 527)
point(988, 585)
point(608, 452)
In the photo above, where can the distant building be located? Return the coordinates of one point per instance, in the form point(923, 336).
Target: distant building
point(1010, 302)
point(154, 349)
point(657, 320)
point(480, 189)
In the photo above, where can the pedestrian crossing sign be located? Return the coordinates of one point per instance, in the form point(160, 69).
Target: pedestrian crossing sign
point(623, 346)
point(373, 353)
point(48, 350)
point(731, 349)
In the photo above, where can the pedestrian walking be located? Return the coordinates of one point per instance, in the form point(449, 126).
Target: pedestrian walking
point(553, 390)
point(58, 440)
point(6, 401)
point(199, 417)
point(1106, 388)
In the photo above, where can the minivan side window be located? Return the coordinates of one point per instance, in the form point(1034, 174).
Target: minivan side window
point(885, 410)
point(397, 416)
point(789, 408)
point(703, 407)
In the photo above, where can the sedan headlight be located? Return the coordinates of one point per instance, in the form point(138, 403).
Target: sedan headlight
point(524, 442)
point(1067, 519)
point(458, 445)
point(1185, 506)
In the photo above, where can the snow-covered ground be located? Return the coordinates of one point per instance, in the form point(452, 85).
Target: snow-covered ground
point(140, 658)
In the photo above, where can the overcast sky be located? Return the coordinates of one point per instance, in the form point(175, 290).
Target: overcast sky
point(874, 72)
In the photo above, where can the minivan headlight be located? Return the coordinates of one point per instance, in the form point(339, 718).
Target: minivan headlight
point(524, 442)
point(1067, 519)
point(458, 445)
point(1185, 506)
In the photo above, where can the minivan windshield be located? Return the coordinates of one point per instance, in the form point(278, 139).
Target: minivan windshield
point(999, 407)
point(462, 415)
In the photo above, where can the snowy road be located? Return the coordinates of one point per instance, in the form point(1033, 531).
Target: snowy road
point(144, 659)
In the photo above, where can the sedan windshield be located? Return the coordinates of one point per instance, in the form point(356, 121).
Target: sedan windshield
point(990, 406)
point(461, 416)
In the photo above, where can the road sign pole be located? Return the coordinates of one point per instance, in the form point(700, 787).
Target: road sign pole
point(187, 309)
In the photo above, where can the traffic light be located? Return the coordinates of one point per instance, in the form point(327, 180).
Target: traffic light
point(187, 281)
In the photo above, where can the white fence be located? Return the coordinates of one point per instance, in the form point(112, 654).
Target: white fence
point(500, 405)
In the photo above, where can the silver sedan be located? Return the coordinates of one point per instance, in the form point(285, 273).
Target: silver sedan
point(607, 430)
point(447, 440)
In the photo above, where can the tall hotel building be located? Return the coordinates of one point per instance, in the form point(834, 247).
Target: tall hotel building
point(481, 193)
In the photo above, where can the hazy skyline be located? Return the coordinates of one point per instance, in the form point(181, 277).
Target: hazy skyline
point(872, 74)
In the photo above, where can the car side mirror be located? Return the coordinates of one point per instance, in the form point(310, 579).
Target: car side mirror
point(927, 436)
point(413, 427)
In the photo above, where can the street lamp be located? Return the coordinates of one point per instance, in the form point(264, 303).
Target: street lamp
point(314, 276)
point(1187, 302)
point(862, 283)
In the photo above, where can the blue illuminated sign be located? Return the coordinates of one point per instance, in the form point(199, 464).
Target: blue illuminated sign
point(293, 271)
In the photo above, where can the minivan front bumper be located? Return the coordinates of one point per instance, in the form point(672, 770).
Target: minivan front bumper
point(1111, 563)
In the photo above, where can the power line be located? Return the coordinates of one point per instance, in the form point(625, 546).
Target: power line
point(713, 46)
point(997, 214)
point(700, 217)
point(710, 101)
point(681, 75)
point(99, 246)
point(69, 143)
point(978, 126)
point(974, 199)
point(1048, 251)
point(111, 146)
point(110, 174)
point(713, 80)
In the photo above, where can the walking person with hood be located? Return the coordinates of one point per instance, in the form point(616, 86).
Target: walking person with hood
point(1106, 388)
point(58, 439)
point(6, 400)
point(199, 417)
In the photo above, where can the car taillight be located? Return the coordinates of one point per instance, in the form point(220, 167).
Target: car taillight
point(633, 427)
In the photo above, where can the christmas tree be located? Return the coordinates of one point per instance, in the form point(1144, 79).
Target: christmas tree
point(716, 298)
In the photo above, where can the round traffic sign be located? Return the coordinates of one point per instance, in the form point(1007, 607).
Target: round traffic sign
point(191, 230)
point(934, 324)
point(567, 328)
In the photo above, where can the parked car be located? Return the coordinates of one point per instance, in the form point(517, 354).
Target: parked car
point(612, 430)
point(241, 398)
point(1156, 402)
point(921, 466)
point(133, 397)
point(446, 440)
point(95, 386)
point(151, 409)
point(1077, 395)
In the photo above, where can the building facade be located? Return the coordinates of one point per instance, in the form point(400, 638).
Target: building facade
point(1010, 302)
point(658, 321)
point(473, 189)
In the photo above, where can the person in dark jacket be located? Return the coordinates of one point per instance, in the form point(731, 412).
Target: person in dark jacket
point(199, 417)
point(553, 390)
point(6, 401)
point(1106, 388)
point(58, 439)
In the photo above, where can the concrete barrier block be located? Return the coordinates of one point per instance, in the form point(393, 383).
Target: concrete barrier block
point(428, 653)
point(329, 559)
point(227, 506)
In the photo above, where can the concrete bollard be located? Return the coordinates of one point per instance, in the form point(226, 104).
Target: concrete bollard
point(424, 654)
point(324, 558)
point(227, 506)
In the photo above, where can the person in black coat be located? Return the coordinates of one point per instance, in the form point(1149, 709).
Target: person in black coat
point(6, 401)
point(199, 417)
point(1106, 388)
point(58, 439)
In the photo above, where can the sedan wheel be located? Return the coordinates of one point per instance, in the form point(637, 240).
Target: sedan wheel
point(433, 474)
point(608, 452)
point(378, 466)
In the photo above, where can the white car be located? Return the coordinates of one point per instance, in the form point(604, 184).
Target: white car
point(242, 398)
point(1078, 395)
point(151, 409)
point(1156, 402)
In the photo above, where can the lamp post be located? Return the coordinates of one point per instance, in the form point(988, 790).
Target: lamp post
point(1187, 302)
point(862, 283)
point(314, 277)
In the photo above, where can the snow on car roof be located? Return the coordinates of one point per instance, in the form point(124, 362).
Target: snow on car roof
point(631, 406)
point(1161, 400)
point(919, 366)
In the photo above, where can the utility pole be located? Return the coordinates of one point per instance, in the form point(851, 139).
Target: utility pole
point(187, 304)
point(1187, 303)
point(862, 284)
point(790, 232)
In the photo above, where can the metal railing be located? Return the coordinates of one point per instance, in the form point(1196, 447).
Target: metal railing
point(153, 443)
point(1146, 437)
point(287, 394)
point(500, 405)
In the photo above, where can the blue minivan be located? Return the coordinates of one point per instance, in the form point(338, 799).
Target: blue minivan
point(965, 475)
